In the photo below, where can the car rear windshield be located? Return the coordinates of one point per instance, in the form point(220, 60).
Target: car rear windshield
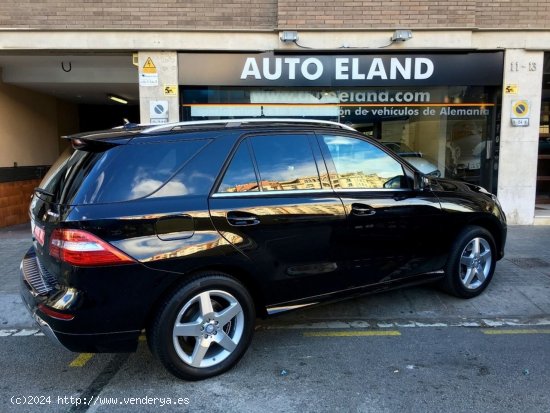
point(121, 173)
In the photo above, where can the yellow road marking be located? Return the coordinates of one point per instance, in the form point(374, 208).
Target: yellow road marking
point(81, 360)
point(518, 331)
point(353, 333)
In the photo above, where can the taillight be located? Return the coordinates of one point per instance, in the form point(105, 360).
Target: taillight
point(83, 249)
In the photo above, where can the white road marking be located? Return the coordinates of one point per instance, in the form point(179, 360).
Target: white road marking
point(356, 324)
point(25, 332)
point(485, 322)
point(22, 332)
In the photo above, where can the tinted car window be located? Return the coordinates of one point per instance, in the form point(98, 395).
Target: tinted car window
point(285, 162)
point(71, 163)
point(361, 165)
point(51, 180)
point(240, 175)
point(129, 172)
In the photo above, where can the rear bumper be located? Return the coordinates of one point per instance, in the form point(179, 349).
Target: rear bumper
point(62, 331)
point(46, 329)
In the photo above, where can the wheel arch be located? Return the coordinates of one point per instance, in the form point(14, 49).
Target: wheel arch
point(240, 274)
point(492, 225)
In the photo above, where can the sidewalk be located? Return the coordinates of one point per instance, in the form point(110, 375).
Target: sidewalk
point(519, 292)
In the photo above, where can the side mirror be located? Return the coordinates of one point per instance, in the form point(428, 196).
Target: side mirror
point(396, 182)
point(421, 182)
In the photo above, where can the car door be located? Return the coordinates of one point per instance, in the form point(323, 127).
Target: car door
point(272, 205)
point(391, 227)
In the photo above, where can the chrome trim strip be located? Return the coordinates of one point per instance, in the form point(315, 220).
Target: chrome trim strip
point(271, 193)
point(238, 122)
point(303, 192)
point(280, 309)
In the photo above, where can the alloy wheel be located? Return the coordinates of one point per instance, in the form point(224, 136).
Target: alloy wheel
point(475, 263)
point(208, 328)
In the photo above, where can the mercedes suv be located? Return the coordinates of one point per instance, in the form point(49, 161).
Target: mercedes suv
point(190, 231)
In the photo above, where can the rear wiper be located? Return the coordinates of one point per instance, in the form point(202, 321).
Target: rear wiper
point(43, 192)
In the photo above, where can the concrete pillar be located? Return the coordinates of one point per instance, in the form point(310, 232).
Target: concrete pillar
point(517, 174)
point(157, 72)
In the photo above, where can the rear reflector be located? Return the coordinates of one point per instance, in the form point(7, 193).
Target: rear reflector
point(39, 234)
point(55, 314)
point(83, 249)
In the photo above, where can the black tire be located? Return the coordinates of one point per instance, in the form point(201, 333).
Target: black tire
point(463, 258)
point(199, 347)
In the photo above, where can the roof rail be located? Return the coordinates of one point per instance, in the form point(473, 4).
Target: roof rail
point(228, 123)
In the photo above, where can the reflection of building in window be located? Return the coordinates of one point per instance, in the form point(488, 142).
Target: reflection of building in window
point(310, 182)
point(357, 180)
point(346, 180)
point(251, 186)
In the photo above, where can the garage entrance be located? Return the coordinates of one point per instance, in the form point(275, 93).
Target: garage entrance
point(45, 96)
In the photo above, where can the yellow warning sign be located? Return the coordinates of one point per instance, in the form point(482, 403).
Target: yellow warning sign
point(149, 66)
point(170, 90)
point(511, 89)
point(520, 108)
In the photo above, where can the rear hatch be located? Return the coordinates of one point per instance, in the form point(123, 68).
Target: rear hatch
point(96, 180)
point(52, 200)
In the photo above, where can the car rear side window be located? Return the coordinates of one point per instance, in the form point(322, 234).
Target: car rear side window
point(283, 162)
point(129, 172)
point(240, 175)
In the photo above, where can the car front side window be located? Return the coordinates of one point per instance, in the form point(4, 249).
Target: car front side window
point(360, 165)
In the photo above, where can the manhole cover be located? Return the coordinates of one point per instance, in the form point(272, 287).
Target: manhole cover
point(529, 262)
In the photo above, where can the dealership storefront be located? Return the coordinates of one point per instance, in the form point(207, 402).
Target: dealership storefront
point(450, 113)
point(440, 111)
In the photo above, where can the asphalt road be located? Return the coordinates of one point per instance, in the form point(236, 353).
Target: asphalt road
point(418, 369)
point(410, 350)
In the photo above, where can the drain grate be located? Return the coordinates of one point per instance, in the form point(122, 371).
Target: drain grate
point(529, 262)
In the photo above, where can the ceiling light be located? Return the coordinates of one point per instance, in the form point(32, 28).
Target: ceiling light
point(117, 99)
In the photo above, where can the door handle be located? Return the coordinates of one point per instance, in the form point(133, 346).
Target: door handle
point(242, 219)
point(362, 210)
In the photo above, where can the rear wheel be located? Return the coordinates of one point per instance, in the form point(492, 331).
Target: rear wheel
point(471, 263)
point(204, 328)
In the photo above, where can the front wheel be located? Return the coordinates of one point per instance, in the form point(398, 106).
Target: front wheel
point(471, 263)
point(204, 328)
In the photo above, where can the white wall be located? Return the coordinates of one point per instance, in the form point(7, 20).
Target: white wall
point(519, 145)
point(166, 72)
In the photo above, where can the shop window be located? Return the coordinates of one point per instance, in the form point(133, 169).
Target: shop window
point(443, 131)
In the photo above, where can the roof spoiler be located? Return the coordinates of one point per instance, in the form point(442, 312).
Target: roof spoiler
point(90, 145)
point(100, 141)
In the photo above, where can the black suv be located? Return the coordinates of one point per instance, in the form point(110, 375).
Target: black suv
point(189, 231)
